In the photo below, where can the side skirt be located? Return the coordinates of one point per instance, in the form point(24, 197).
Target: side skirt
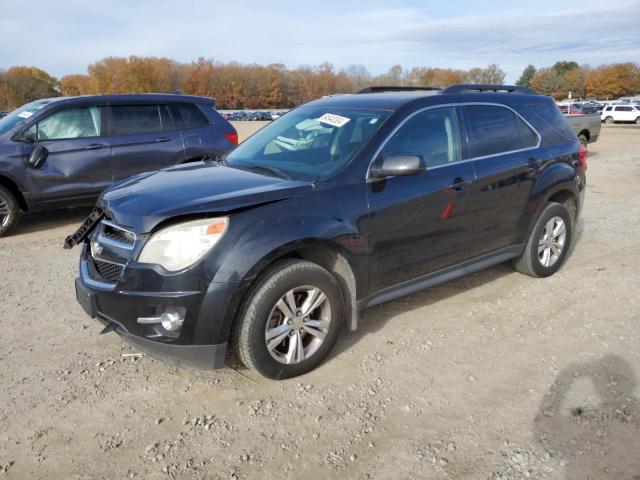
point(441, 276)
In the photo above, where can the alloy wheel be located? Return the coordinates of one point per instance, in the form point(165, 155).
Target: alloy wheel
point(552, 241)
point(5, 213)
point(298, 324)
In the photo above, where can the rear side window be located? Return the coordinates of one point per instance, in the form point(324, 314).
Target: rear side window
point(433, 134)
point(165, 119)
point(624, 109)
point(492, 130)
point(135, 119)
point(70, 123)
point(188, 115)
point(528, 138)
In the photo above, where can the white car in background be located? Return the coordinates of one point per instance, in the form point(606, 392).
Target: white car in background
point(620, 113)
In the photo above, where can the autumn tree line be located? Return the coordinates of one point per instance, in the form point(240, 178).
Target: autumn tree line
point(238, 86)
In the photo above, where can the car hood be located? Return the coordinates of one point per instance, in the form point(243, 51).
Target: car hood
point(143, 201)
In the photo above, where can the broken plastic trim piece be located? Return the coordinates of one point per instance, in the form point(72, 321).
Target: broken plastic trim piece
point(94, 217)
point(109, 327)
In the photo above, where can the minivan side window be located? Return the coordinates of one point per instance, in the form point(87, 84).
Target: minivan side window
point(188, 115)
point(165, 119)
point(81, 122)
point(135, 119)
point(624, 109)
point(492, 130)
point(434, 134)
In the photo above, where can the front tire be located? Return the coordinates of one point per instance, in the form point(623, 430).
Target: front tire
point(290, 321)
point(9, 211)
point(549, 242)
point(608, 120)
point(638, 121)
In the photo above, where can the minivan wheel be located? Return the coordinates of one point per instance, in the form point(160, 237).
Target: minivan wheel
point(638, 121)
point(9, 211)
point(291, 320)
point(608, 120)
point(549, 242)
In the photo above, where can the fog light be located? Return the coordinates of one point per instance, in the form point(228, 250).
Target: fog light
point(171, 319)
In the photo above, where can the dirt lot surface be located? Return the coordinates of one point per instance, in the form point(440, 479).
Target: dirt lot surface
point(493, 376)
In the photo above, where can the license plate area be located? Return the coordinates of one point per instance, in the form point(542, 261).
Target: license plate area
point(86, 299)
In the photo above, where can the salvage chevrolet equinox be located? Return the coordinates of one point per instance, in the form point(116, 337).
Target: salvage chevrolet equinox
point(341, 204)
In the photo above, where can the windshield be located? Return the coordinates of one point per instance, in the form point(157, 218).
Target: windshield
point(19, 115)
point(308, 143)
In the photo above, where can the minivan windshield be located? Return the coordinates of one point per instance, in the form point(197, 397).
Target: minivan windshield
point(21, 114)
point(308, 143)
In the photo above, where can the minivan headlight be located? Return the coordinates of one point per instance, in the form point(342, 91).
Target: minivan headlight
point(180, 246)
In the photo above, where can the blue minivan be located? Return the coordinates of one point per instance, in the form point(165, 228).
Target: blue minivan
point(62, 152)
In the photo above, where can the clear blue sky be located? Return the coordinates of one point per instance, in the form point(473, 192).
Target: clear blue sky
point(65, 36)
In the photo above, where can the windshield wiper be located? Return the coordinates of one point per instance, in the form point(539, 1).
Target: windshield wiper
point(269, 170)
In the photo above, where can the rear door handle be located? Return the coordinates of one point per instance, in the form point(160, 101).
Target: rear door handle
point(94, 146)
point(162, 139)
point(459, 183)
point(533, 163)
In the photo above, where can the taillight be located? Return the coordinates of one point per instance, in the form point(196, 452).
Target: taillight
point(232, 137)
point(582, 157)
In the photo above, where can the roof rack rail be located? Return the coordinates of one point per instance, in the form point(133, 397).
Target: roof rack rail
point(480, 87)
point(394, 89)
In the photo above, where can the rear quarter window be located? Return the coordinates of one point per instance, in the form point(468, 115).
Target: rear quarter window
point(543, 113)
point(188, 115)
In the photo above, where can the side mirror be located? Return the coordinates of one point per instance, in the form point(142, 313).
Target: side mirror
point(38, 156)
point(398, 165)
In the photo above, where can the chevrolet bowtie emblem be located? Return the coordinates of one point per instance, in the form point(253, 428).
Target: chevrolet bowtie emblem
point(96, 249)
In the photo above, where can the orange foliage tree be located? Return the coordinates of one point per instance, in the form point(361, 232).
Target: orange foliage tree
point(236, 85)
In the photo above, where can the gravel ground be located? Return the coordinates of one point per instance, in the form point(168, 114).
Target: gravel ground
point(492, 376)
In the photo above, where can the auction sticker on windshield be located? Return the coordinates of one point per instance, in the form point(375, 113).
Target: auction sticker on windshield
point(333, 120)
point(25, 114)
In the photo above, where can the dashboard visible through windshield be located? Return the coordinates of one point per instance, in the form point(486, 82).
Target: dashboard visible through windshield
point(308, 143)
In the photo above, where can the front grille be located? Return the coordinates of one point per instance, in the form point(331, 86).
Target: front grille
point(108, 272)
point(117, 234)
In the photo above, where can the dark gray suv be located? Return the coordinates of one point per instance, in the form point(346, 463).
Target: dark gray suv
point(62, 152)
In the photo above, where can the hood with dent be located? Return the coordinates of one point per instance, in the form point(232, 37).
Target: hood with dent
point(143, 201)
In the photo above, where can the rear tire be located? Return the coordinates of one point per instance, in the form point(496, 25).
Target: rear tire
point(278, 342)
point(583, 140)
point(9, 211)
point(549, 242)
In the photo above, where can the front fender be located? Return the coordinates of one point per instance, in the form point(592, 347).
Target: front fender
point(258, 237)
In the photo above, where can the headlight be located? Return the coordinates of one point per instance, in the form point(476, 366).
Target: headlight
point(180, 246)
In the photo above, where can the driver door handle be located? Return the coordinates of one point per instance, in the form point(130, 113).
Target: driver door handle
point(162, 139)
point(94, 146)
point(459, 183)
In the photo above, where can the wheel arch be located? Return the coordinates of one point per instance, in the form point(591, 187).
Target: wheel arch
point(586, 133)
point(330, 255)
point(13, 187)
